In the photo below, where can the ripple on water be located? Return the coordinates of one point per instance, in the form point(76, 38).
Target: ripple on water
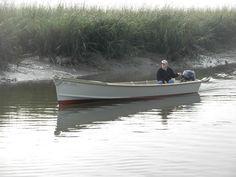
point(188, 135)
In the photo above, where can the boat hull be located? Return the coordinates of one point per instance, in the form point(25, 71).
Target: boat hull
point(71, 91)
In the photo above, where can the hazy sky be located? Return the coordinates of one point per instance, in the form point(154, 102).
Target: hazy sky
point(133, 3)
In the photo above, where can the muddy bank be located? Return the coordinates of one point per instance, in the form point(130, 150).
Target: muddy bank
point(132, 68)
point(35, 68)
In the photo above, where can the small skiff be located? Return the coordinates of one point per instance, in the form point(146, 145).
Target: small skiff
point(70, 90)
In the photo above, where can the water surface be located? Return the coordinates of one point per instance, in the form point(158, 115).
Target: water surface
point(191, 135)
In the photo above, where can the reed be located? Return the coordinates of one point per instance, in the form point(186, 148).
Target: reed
point(79, 32)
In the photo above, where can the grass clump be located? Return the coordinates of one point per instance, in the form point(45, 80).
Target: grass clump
point(79, 32)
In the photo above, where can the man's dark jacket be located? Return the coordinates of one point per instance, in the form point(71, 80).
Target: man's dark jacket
point(165, 75)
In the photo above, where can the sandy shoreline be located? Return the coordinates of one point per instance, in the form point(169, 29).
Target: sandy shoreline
point(132, 68)
point(34, 68)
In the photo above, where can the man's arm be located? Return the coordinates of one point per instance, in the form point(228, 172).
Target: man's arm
point(159, 75)
point(173, 74)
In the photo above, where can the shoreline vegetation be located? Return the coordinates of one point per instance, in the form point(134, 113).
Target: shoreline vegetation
point(81, 34)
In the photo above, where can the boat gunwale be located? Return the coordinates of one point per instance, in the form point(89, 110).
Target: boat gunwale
point(123, 84)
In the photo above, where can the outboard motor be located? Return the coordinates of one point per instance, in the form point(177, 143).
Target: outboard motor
point(188, 75)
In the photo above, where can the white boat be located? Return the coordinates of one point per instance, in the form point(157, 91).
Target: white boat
point(70, 90)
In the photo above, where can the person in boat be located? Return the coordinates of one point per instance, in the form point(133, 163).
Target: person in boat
point(165, 74)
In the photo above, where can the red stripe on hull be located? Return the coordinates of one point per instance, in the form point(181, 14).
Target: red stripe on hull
point(66, 103)
point(70, 102)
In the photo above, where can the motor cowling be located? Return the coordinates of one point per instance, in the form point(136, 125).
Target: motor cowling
point(189, 75)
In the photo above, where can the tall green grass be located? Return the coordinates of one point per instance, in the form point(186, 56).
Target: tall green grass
point(80, 32)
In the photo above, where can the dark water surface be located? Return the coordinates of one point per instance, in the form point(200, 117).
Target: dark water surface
point(192, 135)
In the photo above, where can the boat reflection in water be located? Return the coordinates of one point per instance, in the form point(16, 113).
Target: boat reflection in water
point(74, 118)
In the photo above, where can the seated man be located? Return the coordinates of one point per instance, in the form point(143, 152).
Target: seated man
point(165, 73)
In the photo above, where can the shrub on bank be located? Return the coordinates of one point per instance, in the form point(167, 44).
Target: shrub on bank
point(79, 32)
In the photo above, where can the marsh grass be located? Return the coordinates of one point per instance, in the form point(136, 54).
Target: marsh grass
point(80, 32)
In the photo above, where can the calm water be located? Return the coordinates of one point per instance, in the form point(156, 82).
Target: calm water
point(192, 135)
